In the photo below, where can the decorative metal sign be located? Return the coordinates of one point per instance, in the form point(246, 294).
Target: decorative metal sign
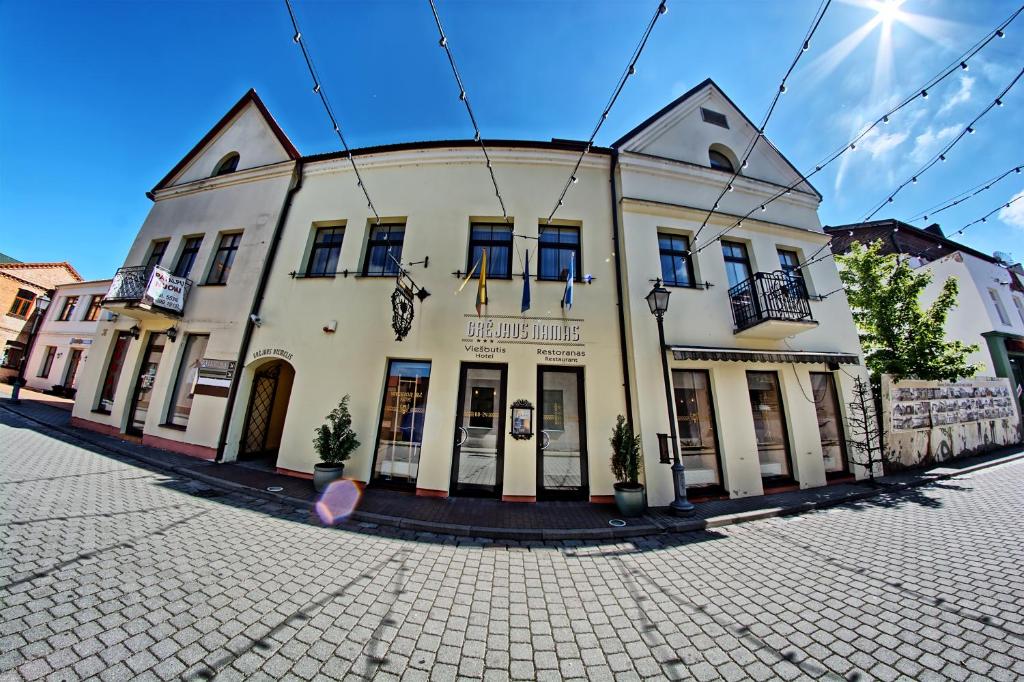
point(402, 308)
point(522, 420)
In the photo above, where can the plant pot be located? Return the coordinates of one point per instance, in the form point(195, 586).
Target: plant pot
point(630, 499)
point(325, 474)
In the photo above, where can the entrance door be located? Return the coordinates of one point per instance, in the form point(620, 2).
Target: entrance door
point(72, 374)
point(478, 453)
point(255, 443)
point(561, 434)
point(144, 384)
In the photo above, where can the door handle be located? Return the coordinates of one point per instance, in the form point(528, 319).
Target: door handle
point(545, 440)
point(464, 434)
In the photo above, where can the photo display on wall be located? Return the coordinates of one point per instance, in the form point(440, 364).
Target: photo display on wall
point(925, 408)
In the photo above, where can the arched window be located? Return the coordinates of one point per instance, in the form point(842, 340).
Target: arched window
point(720, 161)
point(229, 164)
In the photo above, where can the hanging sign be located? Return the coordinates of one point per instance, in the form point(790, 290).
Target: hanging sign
point(401, 308)
point(166, 290)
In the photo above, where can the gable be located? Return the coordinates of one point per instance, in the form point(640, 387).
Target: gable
point(44, 275)
point(689, 127)
point(247, 129)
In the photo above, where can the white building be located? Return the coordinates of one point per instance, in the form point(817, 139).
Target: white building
point(65, 335)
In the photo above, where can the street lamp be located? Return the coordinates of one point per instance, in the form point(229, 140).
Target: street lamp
point(657, 299)
point(42, 303)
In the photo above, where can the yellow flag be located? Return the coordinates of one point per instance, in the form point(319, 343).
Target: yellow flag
point(469, 276)
point(481, 287)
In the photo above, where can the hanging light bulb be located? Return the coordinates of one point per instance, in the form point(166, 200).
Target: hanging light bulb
point(963, 65)
point(853, 145)
point(1000, 33)
point(632, 69)
point(807, 45)
point(851, 233)
point(984, 220)
point(575, 179)
point(914, 180)
point(924, 94)
point(716, 205)
point(885, 119)
point(999, 102)
point(895, 230)
point(1017, 170)
point(782, 89)
point(443, 42)
point(889, 200)
point(662, 8)
point(924, 218)
point(763, 207)
point(297, 37)
point(730, 186)
point(744, 164)
point(942, 157)
point(970, 130)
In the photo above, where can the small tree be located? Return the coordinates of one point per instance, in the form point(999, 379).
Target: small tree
point(626, 464)
point(900, 336)
point(335, 441)
point(865, 437)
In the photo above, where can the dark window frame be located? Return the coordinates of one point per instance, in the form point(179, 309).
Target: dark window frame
point(674, 253)
point(390, 268)
point(21, 307)
point(787, 443)
point(229, 164)
point(190, 251)
point(792, 270)
point(559, 246)
point(157, 251)
point(92, 314)
point(745, 260)
point(224, 258)
point(833, 396)
point(112, 373)
point(179, 376)
point(317, 247)
point(712, 416)
point(47, 364)
point(68, 306)
point(375, 479)
point(720, 164)
point(490, 244)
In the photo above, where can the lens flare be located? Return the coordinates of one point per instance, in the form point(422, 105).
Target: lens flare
point(338, 502)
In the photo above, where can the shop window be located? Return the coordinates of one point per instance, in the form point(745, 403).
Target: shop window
point(47, 364)
point(68, 308)
point(769, 426)
point(497, 239)
point(737, 263)
point(185, 382)
point(400, 435)
point(224, 258)
point(156, 253)
point(95, 306)
point(676, 266)
point(188, 257)
point(830, 422)
point(384, 251)
point(1000, 309)
point(323, 257)
point(22, 304)
point(557, 247)
point(698, 436)
point(113, 372)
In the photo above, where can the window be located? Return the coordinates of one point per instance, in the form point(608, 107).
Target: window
point(113, 372)
point(830, 423)
point(22, 304)
point(156, 253)
point(698, 438)
point(95, 306)
point(481, 407)
point(1019, 302)
point(554, 409)
point(223, 258)
point(676, 267)
point(323, 258)
point(44, 367)
point(400, 435)
point(68, 309)
point(185, 383)
point(558, 246)
point(229, 164)
point(769, 425)
point(714, 117)
point(720, 161)
point(384, 250)
point(1000, 309)
point(789, 263)
point(497, 239)
point(188, 257)
point(737, 264)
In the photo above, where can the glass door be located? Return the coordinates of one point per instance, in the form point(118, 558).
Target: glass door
point(830, 423)
point(71, 376)
point(770, 427)
point(400, 434)
point(477, 455)
point(144, 384)
point(561, 435)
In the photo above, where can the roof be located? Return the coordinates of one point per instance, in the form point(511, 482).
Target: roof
point(553, 144)
point(708, 82)
point(4, 258)
point(916, 231)
point(18, 266)
point(249, 97)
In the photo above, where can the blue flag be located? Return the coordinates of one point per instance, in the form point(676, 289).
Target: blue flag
point(526, 284)
point(569, 279)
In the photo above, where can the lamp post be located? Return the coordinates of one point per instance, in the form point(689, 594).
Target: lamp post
point(657, 300)
point(42, 303)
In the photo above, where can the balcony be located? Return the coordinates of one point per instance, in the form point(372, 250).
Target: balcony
point(771, 305)
point(147, 293)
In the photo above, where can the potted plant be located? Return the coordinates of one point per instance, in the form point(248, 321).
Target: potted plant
point(626, 466)
point(334, 443)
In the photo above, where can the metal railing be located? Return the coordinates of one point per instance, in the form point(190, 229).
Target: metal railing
point(130, 284)
point(769, 296)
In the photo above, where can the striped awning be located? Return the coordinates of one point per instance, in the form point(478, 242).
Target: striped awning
point(751, 355)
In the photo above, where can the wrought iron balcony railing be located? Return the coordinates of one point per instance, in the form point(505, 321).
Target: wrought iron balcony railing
point(135, 285)
point(769, 296)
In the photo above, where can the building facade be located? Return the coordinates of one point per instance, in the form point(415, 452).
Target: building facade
point(990, 311)
point(516, 398)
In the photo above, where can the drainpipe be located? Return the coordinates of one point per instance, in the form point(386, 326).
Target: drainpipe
point(616, 251)
point(257, 301)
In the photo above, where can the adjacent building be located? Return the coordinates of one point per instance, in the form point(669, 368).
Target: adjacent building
point(990, 313)
point(262, 289)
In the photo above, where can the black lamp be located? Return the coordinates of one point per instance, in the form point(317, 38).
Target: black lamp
point(658, 299)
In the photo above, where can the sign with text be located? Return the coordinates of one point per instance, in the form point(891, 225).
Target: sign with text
point(555, 339)
point(166, 290)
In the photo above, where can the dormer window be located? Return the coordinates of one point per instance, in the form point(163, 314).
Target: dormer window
point(720, 161)
point(229, 164)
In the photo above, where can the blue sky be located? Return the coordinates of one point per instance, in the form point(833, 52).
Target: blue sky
point(99, 100)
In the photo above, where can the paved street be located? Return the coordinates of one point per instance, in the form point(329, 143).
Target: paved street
point(109, 569)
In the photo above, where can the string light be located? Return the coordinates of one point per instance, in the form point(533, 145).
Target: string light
point(630, 70)
point(318, 90)
point(977, 221)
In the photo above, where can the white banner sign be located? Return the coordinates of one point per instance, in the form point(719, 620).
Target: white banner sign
point(166, 290)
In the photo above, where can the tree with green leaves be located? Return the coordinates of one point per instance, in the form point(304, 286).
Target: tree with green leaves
point(898, 334)
point(626, 464)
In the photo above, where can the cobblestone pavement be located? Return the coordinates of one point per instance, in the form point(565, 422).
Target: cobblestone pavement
point(111, 570)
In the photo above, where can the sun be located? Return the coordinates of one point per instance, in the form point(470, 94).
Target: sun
point(888, 11)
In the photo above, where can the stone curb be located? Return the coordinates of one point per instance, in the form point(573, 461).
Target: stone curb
point(359, 521)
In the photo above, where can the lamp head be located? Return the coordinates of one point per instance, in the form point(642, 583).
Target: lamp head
point(657, 299)
point(42, 303)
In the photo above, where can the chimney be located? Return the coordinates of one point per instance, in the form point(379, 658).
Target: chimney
point(935, 229)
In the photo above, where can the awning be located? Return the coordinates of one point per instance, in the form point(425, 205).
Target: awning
point(751, 355)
